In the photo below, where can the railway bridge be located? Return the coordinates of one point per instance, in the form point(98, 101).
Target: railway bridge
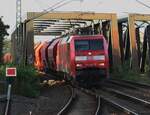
point(123, 35)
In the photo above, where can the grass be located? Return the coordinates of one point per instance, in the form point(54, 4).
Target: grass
point(27, 81)
point(125, 73)
point(2, 72)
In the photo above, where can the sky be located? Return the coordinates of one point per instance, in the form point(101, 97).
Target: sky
point(121, 7)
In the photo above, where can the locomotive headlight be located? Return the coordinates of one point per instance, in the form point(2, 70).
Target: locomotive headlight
point(102, 64)
point(81, 58)
point(78, 65)
point(99, 57)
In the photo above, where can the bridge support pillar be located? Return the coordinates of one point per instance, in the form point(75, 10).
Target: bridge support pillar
point(29, 43)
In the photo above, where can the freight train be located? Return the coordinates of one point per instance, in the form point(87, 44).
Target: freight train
point(83, 58)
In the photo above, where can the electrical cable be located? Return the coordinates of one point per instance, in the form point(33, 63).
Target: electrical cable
point(47, 10)
point(142, 3)
point(51, 9)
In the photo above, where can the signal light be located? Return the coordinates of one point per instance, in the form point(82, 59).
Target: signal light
point(102, 64)
point(78, 65)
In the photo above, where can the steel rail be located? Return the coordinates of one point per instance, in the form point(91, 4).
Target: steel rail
point(132, 83)
point(114, 103)
point(136, 87)
point(107, 99)
point(119, 106)
point(101, 97)
point(66, 107)
point(98, 105)
point(97, 111)
point(127, 95)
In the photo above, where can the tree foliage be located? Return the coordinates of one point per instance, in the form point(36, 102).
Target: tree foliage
point(7, 46)
point(3, 33)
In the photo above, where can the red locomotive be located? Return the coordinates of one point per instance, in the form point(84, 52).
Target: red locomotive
point(84, 58)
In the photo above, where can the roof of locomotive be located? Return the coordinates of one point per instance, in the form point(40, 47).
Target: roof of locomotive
point(68, 38)
point(99, 35)
point(85, 37)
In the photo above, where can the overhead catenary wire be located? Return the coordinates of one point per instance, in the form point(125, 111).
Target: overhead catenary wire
point(52, 8)
point(142, 3)
point(41, 4)
point(43, 12)
point(54, 5)
point(49, 9)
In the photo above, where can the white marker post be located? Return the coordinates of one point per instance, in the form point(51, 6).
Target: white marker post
point(10, 75)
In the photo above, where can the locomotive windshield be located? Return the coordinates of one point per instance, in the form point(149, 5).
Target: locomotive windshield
point(89, 44)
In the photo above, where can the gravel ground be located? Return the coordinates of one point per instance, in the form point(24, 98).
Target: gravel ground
point(142, 94)
point(83, 104)
point(2, 105)
point(51, 100)
point(107, 109)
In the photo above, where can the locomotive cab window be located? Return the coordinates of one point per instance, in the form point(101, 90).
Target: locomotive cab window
point(89, 44)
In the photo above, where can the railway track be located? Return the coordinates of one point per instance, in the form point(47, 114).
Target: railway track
point(81, 103)
point(66, 106)
point(120, 103)
point(117, 105)
point(131, 97)
point(127, 103)
point(137, 90)
point(127, 83)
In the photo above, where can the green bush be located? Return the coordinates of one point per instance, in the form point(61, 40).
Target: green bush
point(27, 81)
point(2, 72)
point(124, 72)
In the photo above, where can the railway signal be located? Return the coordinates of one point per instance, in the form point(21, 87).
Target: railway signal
point(11, 73)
